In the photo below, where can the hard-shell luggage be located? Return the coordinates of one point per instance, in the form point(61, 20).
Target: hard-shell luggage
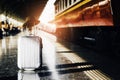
point(29, 52)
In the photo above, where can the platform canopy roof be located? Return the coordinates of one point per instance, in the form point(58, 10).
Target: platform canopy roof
point(22, 8)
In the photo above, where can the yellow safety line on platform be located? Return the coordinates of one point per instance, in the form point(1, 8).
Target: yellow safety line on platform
point(92, 74)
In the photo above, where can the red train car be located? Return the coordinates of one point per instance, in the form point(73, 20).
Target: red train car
point(87, 22)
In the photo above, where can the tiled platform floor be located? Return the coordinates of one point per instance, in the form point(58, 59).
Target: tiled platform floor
point(61, 61)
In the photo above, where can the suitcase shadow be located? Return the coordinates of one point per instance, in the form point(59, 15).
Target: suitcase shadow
point(66, 69)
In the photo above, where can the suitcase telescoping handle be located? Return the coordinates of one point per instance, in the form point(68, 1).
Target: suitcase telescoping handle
point(33, 32)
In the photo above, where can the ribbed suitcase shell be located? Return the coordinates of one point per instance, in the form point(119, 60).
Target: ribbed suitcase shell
point(29, 48)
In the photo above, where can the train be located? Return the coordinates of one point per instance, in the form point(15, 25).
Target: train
point(89, 23)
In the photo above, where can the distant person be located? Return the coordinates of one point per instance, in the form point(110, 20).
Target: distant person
point(5, 28)
point(1, 35)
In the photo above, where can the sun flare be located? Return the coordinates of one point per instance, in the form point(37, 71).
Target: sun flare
point(48, 12)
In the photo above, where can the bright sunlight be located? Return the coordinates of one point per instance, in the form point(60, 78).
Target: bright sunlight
point(48, 12)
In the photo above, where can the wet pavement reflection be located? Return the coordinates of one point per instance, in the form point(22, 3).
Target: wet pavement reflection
point(8, 57)
point(55, 67)
point(59, 62)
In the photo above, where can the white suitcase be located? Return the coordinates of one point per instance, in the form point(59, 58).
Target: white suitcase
point(29, 52)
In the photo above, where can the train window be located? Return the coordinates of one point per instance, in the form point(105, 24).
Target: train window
point(70, 2)
point(59, 5)
point(75, 0)
point(62, 5)
point(56, 8)
point(65, 3)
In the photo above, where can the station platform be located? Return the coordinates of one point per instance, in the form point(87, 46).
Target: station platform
point(61, 61)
